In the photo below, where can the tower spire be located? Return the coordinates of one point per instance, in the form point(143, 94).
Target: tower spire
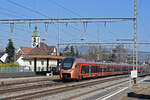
point(35, 28)
point(35, 38)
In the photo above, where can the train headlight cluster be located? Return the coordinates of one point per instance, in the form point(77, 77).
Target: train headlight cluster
point(70, 70)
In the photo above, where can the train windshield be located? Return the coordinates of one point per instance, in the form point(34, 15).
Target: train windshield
point(67, 63)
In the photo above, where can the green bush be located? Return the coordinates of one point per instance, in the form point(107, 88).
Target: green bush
point(8, 65)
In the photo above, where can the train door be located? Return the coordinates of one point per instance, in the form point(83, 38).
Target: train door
point(102, 70)
point(90, 70)
point(77, 70)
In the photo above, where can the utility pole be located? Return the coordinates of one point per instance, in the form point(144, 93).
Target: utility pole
point(134, 73)
point(135, 24)
point(58, 39)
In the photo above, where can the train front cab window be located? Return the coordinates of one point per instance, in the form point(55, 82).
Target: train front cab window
point(67, 63)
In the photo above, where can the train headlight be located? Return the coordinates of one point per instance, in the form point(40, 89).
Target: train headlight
point(70, 70)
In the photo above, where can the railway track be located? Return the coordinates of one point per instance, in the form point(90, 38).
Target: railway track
point(51, 91)
point(19, 81)
point(27, 86)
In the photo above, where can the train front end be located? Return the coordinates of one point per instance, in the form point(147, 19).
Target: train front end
point(67, 69)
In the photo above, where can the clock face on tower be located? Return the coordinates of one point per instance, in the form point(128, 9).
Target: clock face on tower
point(34, 44)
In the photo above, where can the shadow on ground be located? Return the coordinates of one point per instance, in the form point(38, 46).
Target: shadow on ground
point(139, 96)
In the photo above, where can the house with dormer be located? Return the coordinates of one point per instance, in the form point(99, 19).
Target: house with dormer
point(37, 48)
point(3, 57)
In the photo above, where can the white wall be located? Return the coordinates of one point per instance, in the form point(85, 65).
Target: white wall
point(4, 57)
point(52, 63)
point(26, 63)
point(20, 61)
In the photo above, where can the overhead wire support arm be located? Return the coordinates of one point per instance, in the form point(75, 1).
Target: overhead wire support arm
point(97, 44)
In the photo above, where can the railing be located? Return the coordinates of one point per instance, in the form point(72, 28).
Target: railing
point(15, 69)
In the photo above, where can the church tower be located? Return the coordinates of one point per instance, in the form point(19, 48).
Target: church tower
point(35, 38)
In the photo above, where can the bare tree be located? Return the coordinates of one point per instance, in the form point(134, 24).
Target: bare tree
point(120, 54)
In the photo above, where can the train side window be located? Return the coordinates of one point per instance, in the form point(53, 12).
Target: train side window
point(108, 69)
point(104, 69)
point(94, 69)
point(123, 69)
point(112, 69)
point(99, 69)
point(85, 69)
point(126, 68)
point(118, 69)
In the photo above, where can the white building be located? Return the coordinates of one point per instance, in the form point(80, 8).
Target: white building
point(3, 57)
point(41, 50)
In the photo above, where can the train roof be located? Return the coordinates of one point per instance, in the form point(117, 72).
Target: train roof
point(81, 60)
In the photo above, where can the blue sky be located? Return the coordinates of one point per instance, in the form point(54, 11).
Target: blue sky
point(108, 32)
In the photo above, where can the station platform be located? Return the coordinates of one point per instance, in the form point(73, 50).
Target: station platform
point(139, 92)
point(20, 80)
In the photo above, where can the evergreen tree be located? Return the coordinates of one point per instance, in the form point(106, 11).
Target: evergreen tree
point(77, 53)
point(66, 51)
point(120, 54)
point(10, 49)
point(72, 53)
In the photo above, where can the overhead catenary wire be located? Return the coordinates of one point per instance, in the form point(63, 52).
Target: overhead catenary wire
point(13, 13)
point(10, 15)
point(15, 38)
point(68, 10)
point(32, 9)
point(27, 8)
point(63, 7)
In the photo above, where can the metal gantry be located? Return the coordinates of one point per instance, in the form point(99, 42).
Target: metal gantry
point(81, 20)
point(63, 20)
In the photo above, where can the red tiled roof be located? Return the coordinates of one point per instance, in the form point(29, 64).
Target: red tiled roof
point(42, 50)
point(43, 57)
point(17, 57)
point(26, 50)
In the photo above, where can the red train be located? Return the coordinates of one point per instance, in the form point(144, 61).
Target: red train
point(75, 68)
